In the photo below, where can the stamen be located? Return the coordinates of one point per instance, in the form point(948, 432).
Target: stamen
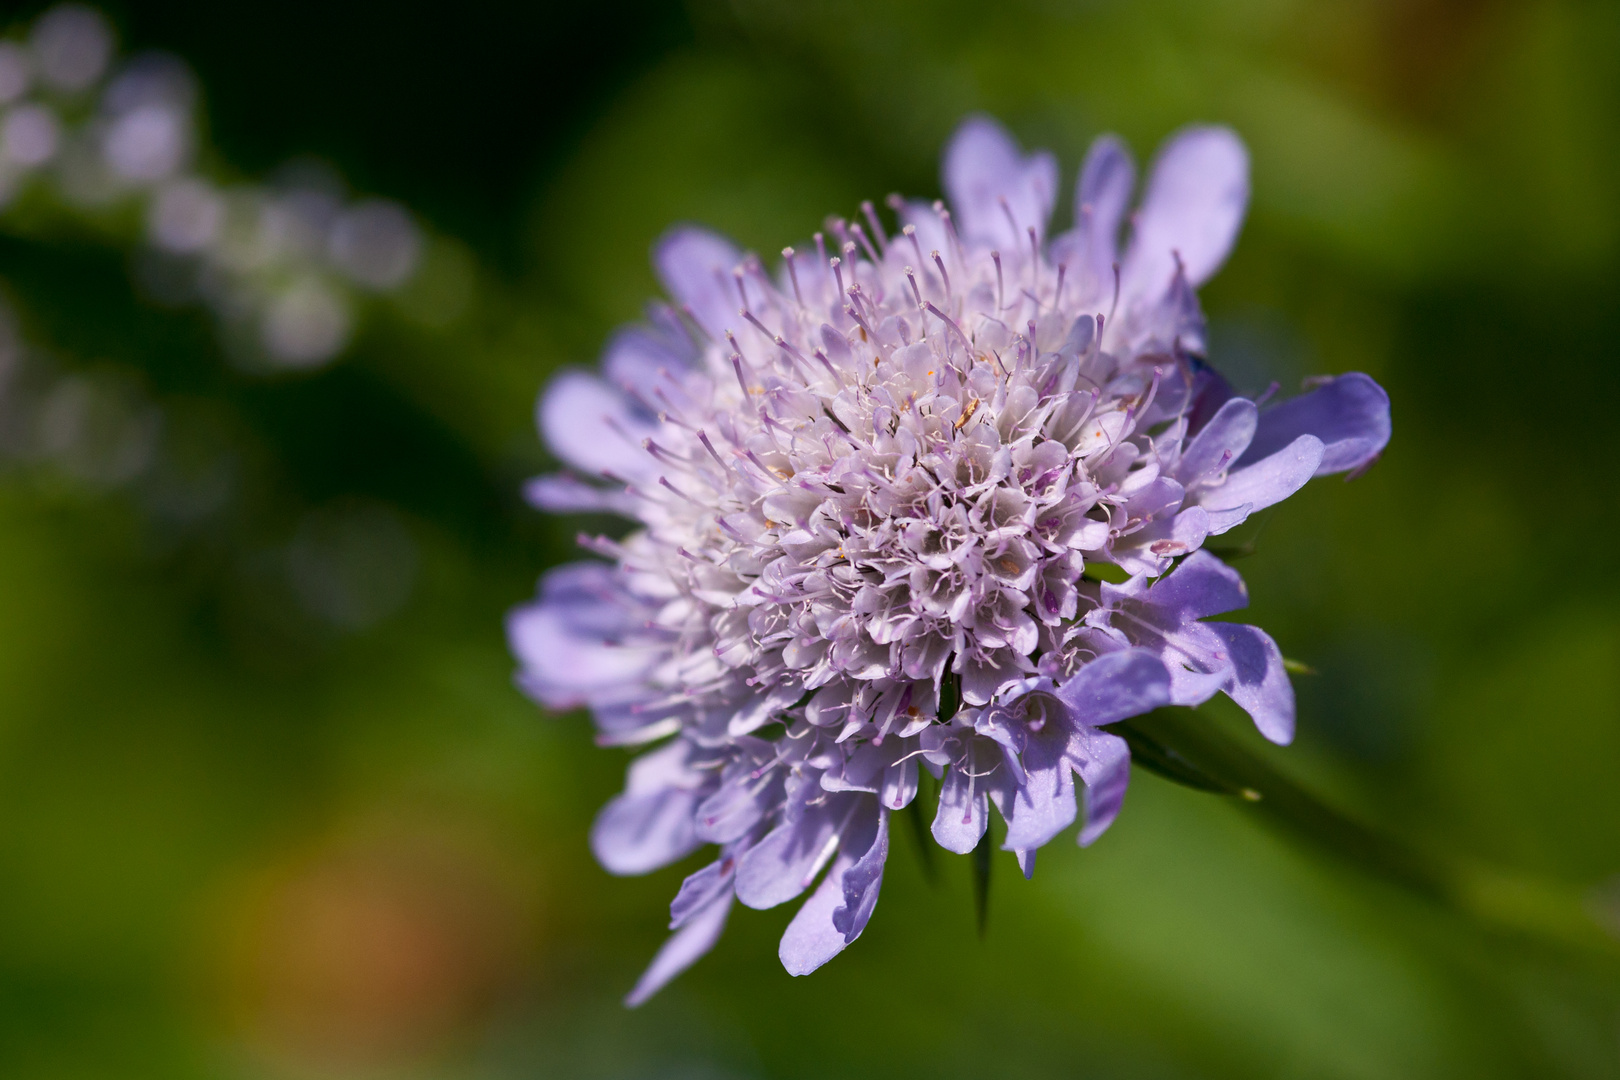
point(948, 321)
point(1152, 391)
point(939, 262)
point(663, 482)
point(691, 323)
point(671, 413)
point(950, 231)
point(840, 229)
point(798, 358)
point(1113, 307)
point(703, 438)
point(1001, 200)
point(749, 315)
point(793, 275)
point(764, 469)
point(600, 545)
point(877, 226)
point(995, 257)
point(860, 320)
point(767, 287)
point(659, 452)
point(857, 294)
point(910, 233)
point(860, 234)
point(916, 292)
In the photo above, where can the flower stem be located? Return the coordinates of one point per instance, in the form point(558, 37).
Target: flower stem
point(981, 882)
point(1186, 748)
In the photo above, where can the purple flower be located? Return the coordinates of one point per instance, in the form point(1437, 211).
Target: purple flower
point(867, 487)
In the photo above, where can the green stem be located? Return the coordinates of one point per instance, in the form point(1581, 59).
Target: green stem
point(1185, 748)
point(981, 882)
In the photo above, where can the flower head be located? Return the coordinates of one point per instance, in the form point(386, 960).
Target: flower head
point(868, 485)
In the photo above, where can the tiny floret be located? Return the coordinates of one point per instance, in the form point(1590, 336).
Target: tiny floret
point(867, 486)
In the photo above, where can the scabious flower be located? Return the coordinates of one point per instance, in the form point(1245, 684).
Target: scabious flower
point(866, 489)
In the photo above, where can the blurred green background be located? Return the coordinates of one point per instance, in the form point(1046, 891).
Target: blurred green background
point(250, 830)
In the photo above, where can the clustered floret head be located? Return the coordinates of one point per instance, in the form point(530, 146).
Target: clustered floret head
point(867, 488)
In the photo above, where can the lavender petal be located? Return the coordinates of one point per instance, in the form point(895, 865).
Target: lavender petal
point(1259, 681)
point(983, 167)
point(1349, 414)
point(684, 948)
point(695, 265)
point(1190, 214)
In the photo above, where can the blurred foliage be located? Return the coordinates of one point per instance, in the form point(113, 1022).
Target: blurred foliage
point(269, 806)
